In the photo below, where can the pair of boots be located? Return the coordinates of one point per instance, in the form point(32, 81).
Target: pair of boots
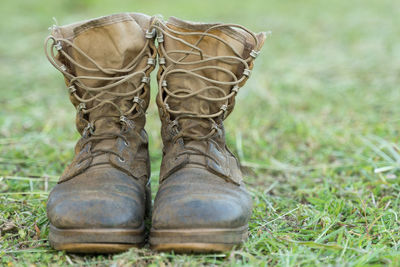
point(103, 197)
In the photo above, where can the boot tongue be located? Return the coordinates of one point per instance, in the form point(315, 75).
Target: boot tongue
point(190, 109)
point(193, 106)
point(104, 127)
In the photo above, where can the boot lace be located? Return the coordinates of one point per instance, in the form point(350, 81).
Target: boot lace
point(178, 63)
point(92, 98)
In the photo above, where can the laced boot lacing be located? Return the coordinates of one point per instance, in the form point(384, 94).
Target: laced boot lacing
point(185, 93)
point(96, 97)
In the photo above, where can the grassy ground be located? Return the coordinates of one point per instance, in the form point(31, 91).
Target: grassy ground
point(318, 135)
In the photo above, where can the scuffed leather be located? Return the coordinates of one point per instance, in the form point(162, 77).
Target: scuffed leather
point(135, 155)
point(195, 198)
point(201, 183)
point(101, 197)
point(106, 190)
point(79, 163)
point(223, 163)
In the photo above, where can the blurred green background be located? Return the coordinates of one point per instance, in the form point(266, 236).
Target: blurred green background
point(316, 129)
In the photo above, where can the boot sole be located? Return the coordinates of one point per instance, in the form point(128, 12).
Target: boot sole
point(96, 240)
point(197, 240)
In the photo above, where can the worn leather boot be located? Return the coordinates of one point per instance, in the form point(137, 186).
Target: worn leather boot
point(202, 204)
point(101, 199)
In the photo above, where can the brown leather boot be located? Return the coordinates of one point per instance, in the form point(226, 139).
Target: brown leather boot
point(100, 202)
point(202, 204)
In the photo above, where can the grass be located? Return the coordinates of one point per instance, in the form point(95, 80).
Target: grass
point(318, 135)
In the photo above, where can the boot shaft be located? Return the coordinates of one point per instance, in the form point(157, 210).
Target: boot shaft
point(106, 63)
point(202, 66)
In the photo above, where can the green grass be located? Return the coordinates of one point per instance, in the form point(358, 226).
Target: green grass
point(318, 137)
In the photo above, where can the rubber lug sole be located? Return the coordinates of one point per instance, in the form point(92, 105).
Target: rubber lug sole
point(96, 240)
point(197, 240)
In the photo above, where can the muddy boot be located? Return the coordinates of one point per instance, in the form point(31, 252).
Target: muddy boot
point(202, 204)
point(101, 199)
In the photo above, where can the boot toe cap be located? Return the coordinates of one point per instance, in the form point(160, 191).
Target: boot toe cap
point(195, 198)
point(107, 199)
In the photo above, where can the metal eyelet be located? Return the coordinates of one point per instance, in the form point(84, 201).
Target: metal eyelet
point(121, 159)
point(224, 107)
point(150, 61)
point(81, 107)
point(247, 72)
point(126, 121)
point(58, 45)
point(150, 34)
point(139, 101)
point(145, 79)
point(123, 119)
point(161, 61)
point(72, 89)
point(160, 37)
point(89, 128)
point(254, 54)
